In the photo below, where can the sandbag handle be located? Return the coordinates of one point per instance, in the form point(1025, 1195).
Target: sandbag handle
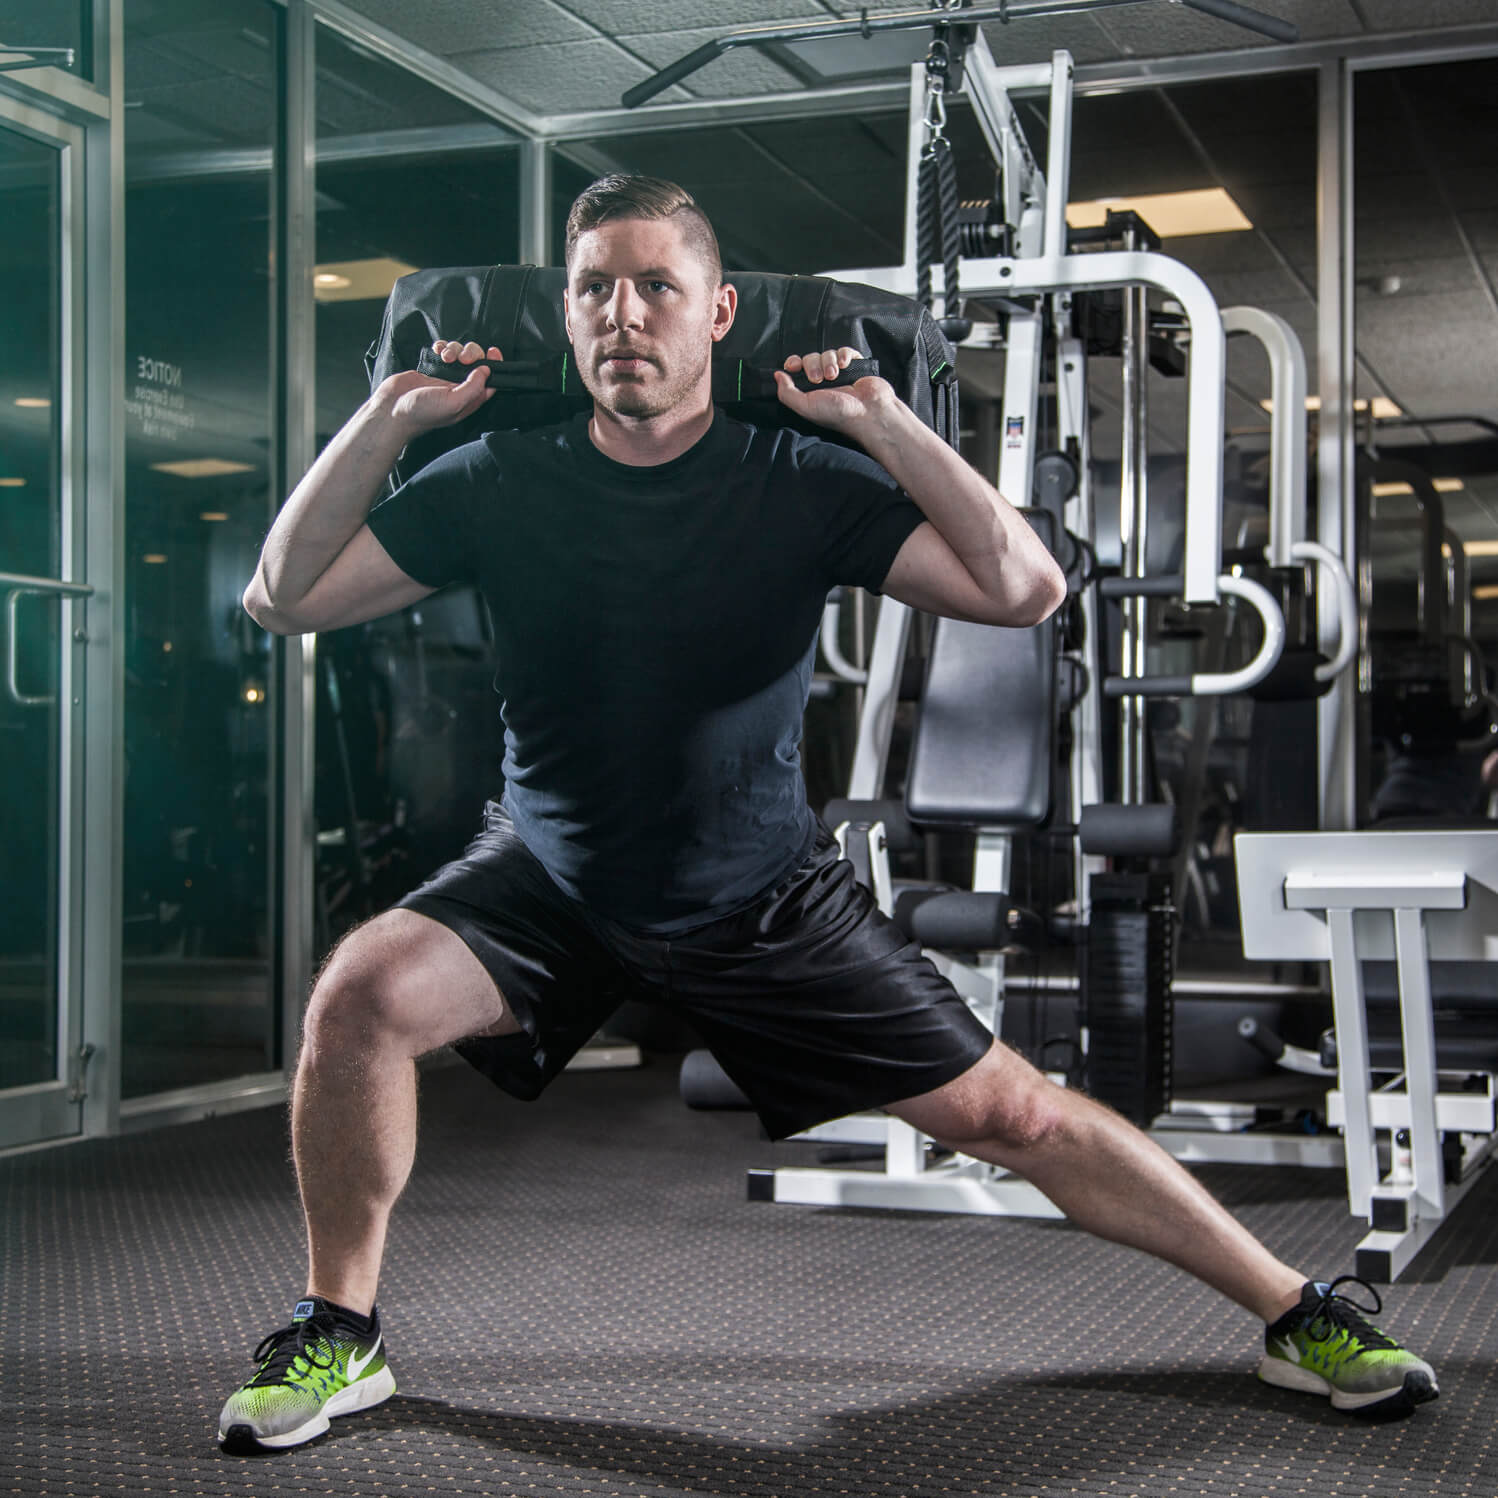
point(733, 379)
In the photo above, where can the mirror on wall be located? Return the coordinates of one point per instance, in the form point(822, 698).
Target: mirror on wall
point(1427, 356)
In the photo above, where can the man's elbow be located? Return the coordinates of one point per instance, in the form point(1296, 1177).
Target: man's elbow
point(258, 606)
point(1046, 594)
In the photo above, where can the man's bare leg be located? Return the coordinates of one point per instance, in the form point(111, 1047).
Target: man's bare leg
point(396, 988)
point(1106, 1175)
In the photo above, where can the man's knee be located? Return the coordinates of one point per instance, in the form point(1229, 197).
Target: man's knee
point(397, 981)
point(1018, 1122)
point(1001, 1103)
point(359, 998)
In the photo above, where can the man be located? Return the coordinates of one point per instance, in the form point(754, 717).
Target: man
point(656, 573)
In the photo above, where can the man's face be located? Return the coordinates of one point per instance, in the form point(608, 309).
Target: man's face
point(642, 318)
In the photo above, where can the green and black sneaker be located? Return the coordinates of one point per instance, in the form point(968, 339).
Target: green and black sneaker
point(1324, 1346)
point(319, 1366)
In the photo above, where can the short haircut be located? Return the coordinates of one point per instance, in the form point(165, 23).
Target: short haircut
point(625, 195)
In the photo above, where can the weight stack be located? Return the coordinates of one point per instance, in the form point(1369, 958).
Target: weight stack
point(1126, 994)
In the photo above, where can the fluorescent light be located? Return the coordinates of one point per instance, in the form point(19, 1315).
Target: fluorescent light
point(33, 402)
point(1399, 486)
point(1383, 408)
point(214, 515)
point(1208, 210)
point(154, 558)
point(202, 468)
point(12, 483)
point(358, 280)
point(1480, 548)
point(1485, 592)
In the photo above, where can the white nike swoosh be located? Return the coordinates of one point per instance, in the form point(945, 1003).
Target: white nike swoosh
point(357, 1365)
point(1284, 1344)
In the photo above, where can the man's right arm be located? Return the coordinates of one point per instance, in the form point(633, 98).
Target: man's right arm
point(321, 566)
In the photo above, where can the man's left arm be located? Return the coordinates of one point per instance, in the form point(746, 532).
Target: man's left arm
point(977, 558)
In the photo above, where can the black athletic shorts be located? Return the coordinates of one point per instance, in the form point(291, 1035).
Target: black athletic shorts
point(815, 1003)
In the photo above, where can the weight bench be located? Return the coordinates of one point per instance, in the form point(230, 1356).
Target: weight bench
point(981, 760)
point(1418, 897)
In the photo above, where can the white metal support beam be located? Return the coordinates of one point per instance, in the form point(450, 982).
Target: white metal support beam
point(1336, 712)
point(104, 672)
point(294, 358)
point(535, 202)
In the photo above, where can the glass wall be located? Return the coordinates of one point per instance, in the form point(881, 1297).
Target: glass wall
point(25, 24)
point(200, 122)
point(1427, 343)
point(409, 740)
point(30, 545)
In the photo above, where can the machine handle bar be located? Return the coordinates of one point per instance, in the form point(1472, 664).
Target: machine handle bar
point(1346, 594)
point(1205, 683)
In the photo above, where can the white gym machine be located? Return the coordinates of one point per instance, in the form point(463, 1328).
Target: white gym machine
point(1031, 287)
point(1347, 897)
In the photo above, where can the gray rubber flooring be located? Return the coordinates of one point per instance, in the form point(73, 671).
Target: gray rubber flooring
point(579, 1300)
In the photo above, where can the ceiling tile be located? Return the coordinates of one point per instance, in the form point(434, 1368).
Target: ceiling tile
point(1400, 15)
point(1169, 30)
point(1027, 40)
point(743, 71)
point(1411, 343)
point(227, 111)
point(560, 77)
point(148, 66)
point(221, 48)
point(448, 26)
point(635, 16)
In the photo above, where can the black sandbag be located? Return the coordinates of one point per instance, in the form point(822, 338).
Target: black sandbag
point(518, 309)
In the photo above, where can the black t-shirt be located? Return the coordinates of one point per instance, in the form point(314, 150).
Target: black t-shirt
point(655, 631)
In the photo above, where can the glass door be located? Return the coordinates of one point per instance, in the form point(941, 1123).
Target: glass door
point(43, 629)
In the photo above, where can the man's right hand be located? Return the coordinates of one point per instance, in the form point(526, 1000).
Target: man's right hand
point(417, 403)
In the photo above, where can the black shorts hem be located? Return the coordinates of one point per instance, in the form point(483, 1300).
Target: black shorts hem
point(508, 1061)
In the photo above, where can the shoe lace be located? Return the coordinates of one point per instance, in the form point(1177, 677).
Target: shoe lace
point(1333, 1312)
point(302, 1339)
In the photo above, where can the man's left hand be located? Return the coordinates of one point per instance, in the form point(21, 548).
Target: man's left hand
point(848, 409)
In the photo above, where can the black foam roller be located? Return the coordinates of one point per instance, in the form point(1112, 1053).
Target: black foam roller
point(704, 1084)
point(961, 920)
point(1129, 831)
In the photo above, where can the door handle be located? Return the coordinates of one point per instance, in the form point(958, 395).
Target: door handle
point(20, 587)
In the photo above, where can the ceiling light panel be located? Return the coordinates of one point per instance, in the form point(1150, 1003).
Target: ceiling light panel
point(1208, 210)
point(202, 468)
point(358, 280)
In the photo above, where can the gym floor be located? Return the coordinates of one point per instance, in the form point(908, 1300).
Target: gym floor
point(580, 1300)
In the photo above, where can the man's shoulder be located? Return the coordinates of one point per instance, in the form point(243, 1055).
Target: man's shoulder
point(803, 450)
point(533, 443)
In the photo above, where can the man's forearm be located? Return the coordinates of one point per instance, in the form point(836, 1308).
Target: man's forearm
point(327, 508)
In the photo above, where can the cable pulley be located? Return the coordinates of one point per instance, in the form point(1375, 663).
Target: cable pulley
point(938, 232)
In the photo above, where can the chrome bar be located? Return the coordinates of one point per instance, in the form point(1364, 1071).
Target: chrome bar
point(24, 584)
point(1133, 533)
